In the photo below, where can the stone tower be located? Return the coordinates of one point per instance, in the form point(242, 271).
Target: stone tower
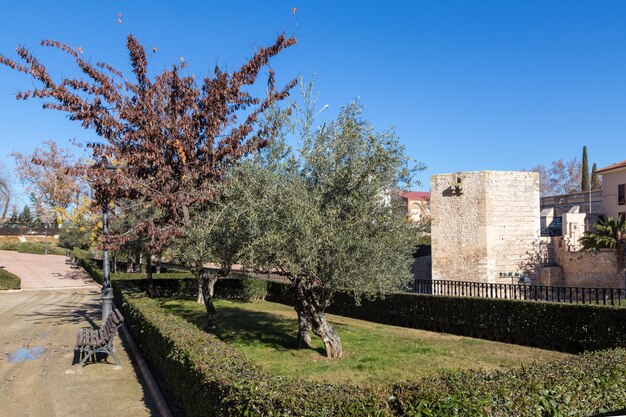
point(485, 224)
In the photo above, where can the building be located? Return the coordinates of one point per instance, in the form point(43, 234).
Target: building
point(613, 192)
point(485, 225)
point(417, 204)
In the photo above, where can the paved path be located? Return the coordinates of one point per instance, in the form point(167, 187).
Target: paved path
point(44, 272)
point(37, 334)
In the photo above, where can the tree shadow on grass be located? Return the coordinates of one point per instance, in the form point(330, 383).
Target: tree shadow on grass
point(240, 326)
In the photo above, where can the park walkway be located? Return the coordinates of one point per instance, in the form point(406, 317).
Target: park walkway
point(44, 272)
point(37, 333)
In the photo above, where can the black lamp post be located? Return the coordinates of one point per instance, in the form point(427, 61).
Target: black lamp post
point(107, 290)
point(46, 226)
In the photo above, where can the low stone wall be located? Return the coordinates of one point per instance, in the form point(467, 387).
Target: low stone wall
point(590, 268)
point(562, 266)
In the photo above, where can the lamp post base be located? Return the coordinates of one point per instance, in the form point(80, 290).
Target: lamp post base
point(107, 303)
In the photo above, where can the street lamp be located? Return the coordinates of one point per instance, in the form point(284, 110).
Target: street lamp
point(46, 226)
point(107, 290)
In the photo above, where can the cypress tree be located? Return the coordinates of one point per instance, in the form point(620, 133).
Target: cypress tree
point(595, 178)
point(585, 173)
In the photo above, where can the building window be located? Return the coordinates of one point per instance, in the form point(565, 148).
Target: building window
point(620, 194)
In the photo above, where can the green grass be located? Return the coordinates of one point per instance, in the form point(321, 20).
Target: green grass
point(9, 281)
point(373, 353)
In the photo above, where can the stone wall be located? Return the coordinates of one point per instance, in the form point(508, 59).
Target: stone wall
point(589, 268)
point(484, 227)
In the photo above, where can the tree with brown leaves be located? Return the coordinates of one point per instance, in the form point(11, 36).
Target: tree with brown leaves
point(171, 137)
point(45, 174)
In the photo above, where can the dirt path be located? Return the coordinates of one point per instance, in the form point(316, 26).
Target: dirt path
point(37, 334)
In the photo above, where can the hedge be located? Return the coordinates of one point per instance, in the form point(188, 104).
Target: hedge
point(178, 284)
point(572, 328)
point(36, 248)
point(207, 377)
point(9, 281)
point(143, 275)
point(246, 289)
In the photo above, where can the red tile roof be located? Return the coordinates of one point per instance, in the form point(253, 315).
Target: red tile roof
point(612, 167)
point(416, 195)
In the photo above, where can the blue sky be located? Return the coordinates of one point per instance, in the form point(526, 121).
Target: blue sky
point(468, 85)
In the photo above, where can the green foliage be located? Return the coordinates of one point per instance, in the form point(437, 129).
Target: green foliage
point(585, 385)
point(585, 171)
point(206, 377)
point(247, 289)
point(143, 275)
point(560, 326)
point(26, 217)
point(252, 289)
point(71, 236)
point(321, 214)
point(85, 260)
point(596, 184)
point(607, 233)
point(36, 248)
point(9, 281)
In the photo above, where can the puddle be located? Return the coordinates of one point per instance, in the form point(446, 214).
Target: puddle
point(27, 354)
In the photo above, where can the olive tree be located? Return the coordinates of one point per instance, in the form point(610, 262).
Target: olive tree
point(322, 216)
point(215, 235)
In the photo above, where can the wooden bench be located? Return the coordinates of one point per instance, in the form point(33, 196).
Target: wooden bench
point(74, 264)
point(89, 341)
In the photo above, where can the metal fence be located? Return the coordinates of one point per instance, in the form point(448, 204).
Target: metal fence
point(575, 295)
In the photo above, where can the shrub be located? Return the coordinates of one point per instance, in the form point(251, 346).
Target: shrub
point(143, 275)
point(560, 326)
point(251, 289)
point(9, 281)
point(206, 377)
point(246, 289)
point(584, 385)
point(37, 248)
point(90, 265)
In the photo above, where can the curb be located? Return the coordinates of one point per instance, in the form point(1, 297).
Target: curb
point(153, 388)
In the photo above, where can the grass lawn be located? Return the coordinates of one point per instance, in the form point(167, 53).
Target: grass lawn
point(373, 353)
point(9, 281)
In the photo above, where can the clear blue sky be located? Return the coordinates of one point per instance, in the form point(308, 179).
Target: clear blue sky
point(469, 85)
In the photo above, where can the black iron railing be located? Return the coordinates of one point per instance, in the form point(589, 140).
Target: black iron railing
point(575, 295)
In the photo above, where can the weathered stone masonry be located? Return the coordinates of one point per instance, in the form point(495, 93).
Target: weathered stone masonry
point(484, 227)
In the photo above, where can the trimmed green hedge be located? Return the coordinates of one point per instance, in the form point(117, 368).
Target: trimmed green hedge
point(9, 281)
point(91, 266)
point(570, 328)
point(143, 275)
point(585, 385)
point(207, 377)
point(246, 289)
point(36, 248)
point(178, 284)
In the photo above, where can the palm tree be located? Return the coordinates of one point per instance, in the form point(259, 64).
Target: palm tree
point(609, 233)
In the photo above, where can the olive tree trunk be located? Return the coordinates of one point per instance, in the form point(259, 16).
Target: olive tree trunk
point(304, 329)
point(206, 282)
point(311, 316)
